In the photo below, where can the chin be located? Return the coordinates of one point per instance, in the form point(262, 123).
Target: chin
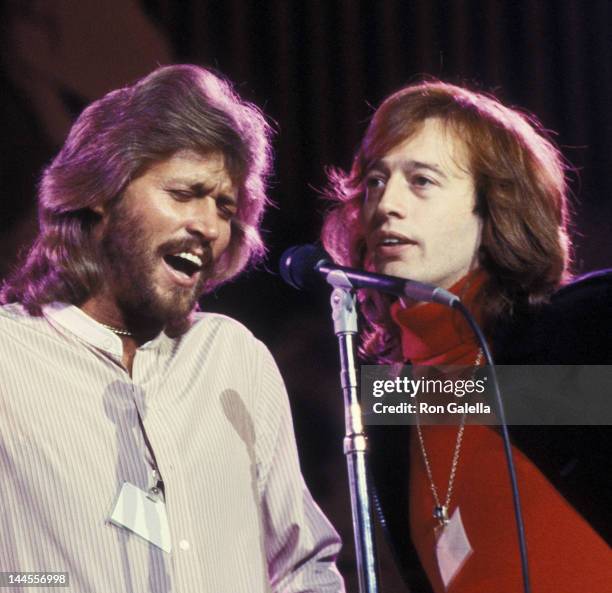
point(167, 308)
point(178, 307)
point(396, 268)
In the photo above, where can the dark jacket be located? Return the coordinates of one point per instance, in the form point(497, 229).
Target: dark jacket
point(574, 328)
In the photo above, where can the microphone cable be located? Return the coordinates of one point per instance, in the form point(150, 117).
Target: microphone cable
point(516, 499)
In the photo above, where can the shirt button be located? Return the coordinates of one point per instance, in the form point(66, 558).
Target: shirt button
point(184, 545)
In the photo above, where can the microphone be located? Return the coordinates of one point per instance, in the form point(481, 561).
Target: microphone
point(303, 266)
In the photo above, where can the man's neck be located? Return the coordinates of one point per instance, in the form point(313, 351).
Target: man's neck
point(133, 332)
point(434, 334)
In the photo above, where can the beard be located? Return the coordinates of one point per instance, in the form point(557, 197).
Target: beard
point(132, 262)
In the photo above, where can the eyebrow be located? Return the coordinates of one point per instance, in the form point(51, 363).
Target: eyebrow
point(408, 166)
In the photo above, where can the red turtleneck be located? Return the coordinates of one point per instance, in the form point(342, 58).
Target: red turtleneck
point(565, 554)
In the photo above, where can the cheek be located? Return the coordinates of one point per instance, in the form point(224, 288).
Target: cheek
point(473, 226)
point(224, 238)
point(462, 216)
point(366, 214)
point(468, 237)
point(456, 234)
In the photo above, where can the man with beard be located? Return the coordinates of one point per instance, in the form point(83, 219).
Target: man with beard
point(452, 188)
point(145, 446)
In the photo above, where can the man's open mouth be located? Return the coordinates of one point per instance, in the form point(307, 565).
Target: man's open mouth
point(184, 262)
point(389, 239)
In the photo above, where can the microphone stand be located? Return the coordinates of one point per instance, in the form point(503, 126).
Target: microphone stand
point(344, 315)
point(300, 265)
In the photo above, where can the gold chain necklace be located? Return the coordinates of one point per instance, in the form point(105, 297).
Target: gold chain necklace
point(116, 330)
point(440, 512)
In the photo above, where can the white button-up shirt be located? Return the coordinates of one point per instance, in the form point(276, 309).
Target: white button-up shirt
point(207, 410)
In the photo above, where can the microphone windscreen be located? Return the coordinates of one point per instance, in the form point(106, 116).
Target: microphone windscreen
point(298, 265)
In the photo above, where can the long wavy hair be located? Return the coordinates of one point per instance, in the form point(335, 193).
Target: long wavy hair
point(522, 199)
point(112, 142)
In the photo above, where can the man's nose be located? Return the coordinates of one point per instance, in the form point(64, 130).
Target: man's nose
point(394, 198)
point(204, 218)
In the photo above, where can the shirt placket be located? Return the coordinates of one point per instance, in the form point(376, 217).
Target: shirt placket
point(147, 375)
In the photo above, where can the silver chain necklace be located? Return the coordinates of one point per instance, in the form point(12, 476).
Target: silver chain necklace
point(440, 512)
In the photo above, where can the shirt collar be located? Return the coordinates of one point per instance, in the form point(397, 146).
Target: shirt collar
point(77, 322)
